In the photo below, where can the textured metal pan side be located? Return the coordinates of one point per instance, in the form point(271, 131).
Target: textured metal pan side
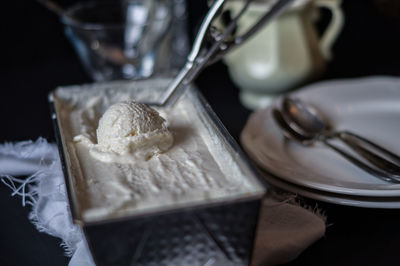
point(220, 235)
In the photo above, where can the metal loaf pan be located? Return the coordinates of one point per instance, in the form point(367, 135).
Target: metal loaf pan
point(213, 232)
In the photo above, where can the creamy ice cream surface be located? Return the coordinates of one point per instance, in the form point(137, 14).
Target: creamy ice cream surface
point(127, 158)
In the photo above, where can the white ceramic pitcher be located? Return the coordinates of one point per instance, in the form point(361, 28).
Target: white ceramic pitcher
point(285, 54)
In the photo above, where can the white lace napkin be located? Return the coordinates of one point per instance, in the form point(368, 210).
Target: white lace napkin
point(45, 191)
point(285, 229)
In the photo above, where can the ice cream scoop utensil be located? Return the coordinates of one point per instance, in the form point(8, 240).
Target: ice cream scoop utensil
point(210, 45)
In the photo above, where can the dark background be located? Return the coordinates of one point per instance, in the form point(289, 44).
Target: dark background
point(36, 58)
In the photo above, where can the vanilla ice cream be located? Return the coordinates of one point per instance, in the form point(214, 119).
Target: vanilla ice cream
point(129, 130)
point(124, 158)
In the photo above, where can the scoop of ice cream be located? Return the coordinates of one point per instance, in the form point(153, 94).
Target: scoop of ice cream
point(133, 128)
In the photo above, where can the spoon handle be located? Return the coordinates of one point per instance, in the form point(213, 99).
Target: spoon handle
point(385, 176)
point(375, 154)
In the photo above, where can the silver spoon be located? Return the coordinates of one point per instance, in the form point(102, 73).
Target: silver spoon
point(307, 121)
point(292, 134)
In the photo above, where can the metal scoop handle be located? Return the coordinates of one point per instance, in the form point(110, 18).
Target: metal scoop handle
point(201, 55)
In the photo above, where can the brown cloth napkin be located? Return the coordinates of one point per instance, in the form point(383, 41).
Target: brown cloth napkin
point(285, 230)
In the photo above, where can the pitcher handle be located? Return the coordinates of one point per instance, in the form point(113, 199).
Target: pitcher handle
point(335, 26)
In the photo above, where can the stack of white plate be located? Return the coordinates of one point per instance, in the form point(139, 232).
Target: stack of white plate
point(369, 107)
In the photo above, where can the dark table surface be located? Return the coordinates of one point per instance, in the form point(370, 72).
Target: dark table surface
point(36, 58)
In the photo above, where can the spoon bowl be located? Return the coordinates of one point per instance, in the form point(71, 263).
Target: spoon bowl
point(288, 131)
point(302, 118)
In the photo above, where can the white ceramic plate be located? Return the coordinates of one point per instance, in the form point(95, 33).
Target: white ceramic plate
point(367, 106)
point(355, 201)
